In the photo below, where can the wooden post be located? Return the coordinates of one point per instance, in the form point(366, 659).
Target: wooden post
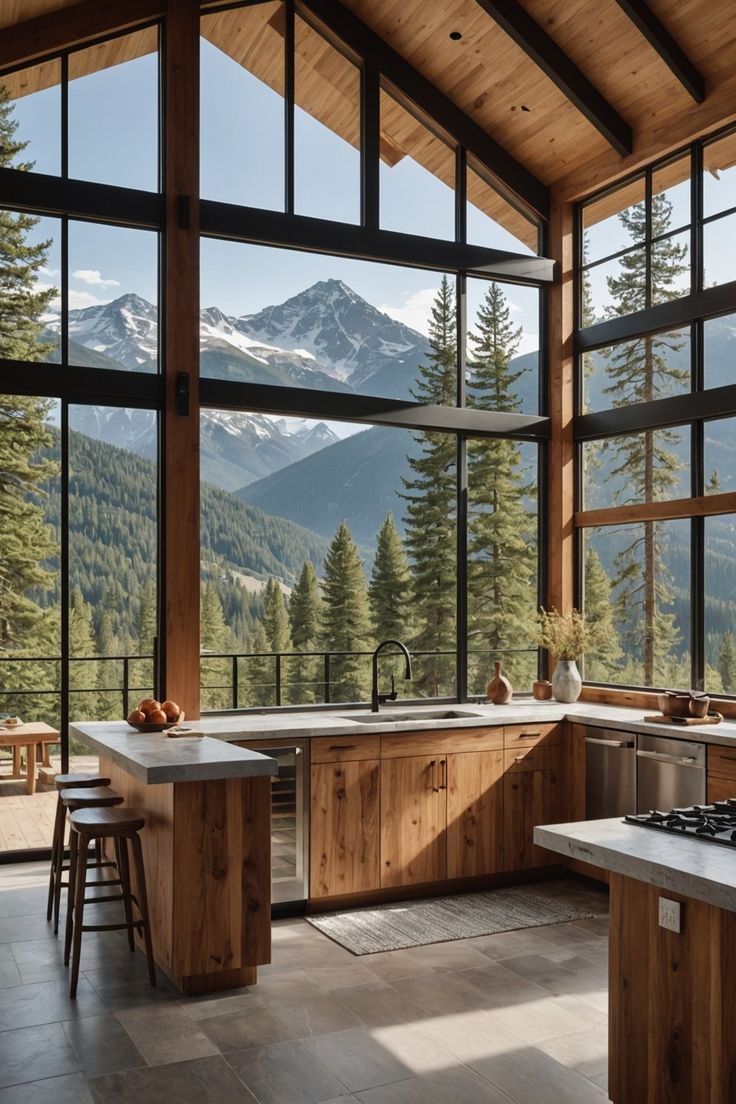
point(560, 582)
point(180, 599)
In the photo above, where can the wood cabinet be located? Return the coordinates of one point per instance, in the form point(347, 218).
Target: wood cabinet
point(531, 796)
point(474, 813)
point(344, 833)
point(721, 782)
point(413, 820)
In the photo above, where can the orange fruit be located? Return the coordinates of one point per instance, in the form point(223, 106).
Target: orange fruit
point(137, 717)
point(148, 705)
point(156, 716)
point(171, 709)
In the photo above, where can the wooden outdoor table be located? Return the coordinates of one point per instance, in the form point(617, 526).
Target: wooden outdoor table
point(29, 736)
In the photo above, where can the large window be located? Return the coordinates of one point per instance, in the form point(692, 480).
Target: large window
point(652, 430)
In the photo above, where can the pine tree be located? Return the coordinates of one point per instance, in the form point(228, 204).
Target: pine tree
point(430, 516)
point(346, 619)
point(601, 657)
point(502, 556)
point(146, 630)
point(214, 637)
point(305, 618)
point(640, 371)
point(260, 680)
point(389, 590)
point(275, 618)
point(82, 676)
point(727, 663)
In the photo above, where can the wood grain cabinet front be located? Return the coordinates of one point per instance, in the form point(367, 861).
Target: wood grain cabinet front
point(344, 830)
point(721, 779)
point(474, 813)
point(530, 797)
point(413, 820)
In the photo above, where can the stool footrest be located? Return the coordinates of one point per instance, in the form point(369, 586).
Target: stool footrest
point(112, 927)
point(100, 900)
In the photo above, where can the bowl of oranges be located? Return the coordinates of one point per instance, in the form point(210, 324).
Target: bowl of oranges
point(155, 716)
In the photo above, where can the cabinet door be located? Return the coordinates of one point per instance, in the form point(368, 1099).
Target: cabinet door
point(530, 798)
point(413, 820)
point(474, 813)
point(720, 788)
point(344, 833)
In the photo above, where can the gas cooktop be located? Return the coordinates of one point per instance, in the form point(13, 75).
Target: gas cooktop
point(715, 823)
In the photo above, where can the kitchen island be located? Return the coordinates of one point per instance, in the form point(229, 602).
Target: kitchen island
point(206, 848)
point(672, 1014)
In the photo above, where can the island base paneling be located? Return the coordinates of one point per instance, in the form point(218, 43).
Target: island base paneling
point(672, 1023)
point(206, 848)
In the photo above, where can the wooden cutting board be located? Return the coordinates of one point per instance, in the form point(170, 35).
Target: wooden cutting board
point(660, 718)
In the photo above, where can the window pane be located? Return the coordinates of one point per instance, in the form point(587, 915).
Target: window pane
point(719, 463)
point(114, 112)
point(417, 175)
point(671, 267)
point(719, 340)
point(35, 108)
point(346, 542)
point(719, 175)
point(306, 320)
point(653, 367)
point(113, 297)
point(502, 562)
point(615, 287)
point(326, 129)
point(638, 467)
point(672, 183)
point(503, 347)
point(720, 604)
point(637, 595)
point(614, 222)
point(719, 266)
point(30, 668)
point(29, 320)
point(242, 106)
point(493, 222)
point(112, 562)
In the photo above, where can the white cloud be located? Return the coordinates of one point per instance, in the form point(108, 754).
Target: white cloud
point(80, 299)
point(94, 278)
point(50, 272)
point(415, 310)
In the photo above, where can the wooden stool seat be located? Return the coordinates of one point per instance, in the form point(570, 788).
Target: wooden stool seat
point(91, 797)
point(101, 821)
point(122, 827)
point(65, 781)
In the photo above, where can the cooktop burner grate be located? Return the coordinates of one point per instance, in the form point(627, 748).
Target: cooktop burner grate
point(714, 823)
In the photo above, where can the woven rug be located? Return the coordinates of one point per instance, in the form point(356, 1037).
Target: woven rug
point(404, 924)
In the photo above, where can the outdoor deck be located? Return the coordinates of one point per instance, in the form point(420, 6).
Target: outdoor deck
point(28, 821)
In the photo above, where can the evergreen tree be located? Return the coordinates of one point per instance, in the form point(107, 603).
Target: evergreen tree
point(260, 681)
point(389, 590)
point(727, 663)
point(275, 618)
point(601, 658)
point(305, 618)
point(640, 371)
point(502, 554)
point(430, 516)
point(82, 676)
point(214, 637)
point(346, 620)
point(146, 630)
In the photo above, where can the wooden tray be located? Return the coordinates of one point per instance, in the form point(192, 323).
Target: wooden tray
point(711, 718)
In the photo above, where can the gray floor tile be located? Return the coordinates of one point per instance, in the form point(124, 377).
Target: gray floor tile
point(71, 1089)
point(316, 1016)
point(357, 1059)
point(165, 1034)
point(380, 1004)
point(46, 1002)
point(247, 1028)
point(119, 996)
point(223, 1004)
point(285, 1073)
point(103, 1045)
point(202, 1081)
point(34, 1055)
point(586, 1052)
point(13, 929)
point(9, 972)
point(530, 1076)
point(458, 1085)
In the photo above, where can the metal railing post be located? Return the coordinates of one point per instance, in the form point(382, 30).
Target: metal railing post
point(278, 678)
point(327, 678)
point(235, 681)
point(126, 686)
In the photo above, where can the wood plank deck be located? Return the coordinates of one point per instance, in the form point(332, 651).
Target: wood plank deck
point(27, 821)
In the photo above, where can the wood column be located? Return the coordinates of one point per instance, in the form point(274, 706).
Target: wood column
point(180, 487)
point(561, 476)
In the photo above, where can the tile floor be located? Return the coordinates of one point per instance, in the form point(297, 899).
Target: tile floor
point(516, 1018)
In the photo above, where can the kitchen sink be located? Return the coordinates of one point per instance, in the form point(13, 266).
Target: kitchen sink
point(425, 715)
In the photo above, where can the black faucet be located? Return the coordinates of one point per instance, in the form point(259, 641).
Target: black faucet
point(376, 698)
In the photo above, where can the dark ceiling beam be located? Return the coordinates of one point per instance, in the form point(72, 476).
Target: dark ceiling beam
point(363, 41)
point(23, 43)
point(544, 52)
point(657, 35)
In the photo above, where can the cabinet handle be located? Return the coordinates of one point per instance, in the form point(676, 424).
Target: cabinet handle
point(443, 783)
point(433, 781)
point(728, 758)
point(343, 747)
point(525, 735)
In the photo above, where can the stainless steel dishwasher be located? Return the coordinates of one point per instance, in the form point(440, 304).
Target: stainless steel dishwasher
point(670, 774)
point(610, 773)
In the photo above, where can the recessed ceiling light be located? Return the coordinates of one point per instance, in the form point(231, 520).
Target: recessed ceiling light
point(456, 36)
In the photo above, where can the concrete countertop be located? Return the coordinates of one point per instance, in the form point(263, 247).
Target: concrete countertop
point(692, 867)
point(154, 757)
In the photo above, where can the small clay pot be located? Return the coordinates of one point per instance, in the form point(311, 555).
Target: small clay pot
point(542, 690)
point(699, 706)
point(499, 688)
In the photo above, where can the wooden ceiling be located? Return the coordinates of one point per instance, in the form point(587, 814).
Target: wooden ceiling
point(490, 77)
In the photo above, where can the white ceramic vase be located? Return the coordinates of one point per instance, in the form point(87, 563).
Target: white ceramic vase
point(566, 681)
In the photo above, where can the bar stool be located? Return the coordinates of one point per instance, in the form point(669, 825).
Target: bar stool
point(62, 782)
point(88, 797)
point(121, 825)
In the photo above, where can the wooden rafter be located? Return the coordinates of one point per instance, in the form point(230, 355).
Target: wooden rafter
point(544, 52)
point(657, 35)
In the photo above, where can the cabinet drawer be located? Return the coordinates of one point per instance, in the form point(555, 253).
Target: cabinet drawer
point(722, 760)
point(444, 741)
point(720, 788)
point(515, 736)
point(529, 758)
point(345, 749)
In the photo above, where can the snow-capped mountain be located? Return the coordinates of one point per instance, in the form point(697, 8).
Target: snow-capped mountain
point(125, 330)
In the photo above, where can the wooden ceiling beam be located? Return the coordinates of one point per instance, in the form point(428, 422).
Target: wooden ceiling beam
point(24, 43)
point(358, 37)
point(544, 52)
point(657, 35)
